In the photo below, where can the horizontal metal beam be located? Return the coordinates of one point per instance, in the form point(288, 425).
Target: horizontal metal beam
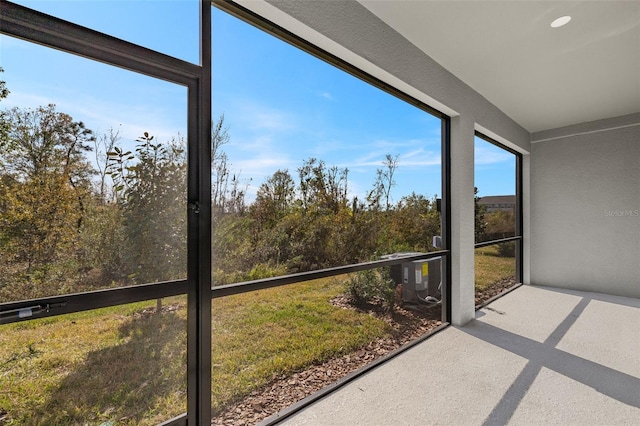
point(181, 420)
point(70, 303)
point(500, 241)
point(27, 24)
point(248, 286)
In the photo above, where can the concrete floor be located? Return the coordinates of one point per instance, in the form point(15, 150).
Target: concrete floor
point(537, 356)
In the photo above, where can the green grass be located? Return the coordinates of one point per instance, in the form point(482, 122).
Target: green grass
point(94, 367)
point(490, 268)
point(258, 336)
point(118, 366)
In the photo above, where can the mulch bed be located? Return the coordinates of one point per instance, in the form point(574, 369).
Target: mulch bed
point(408, 324)
point(495, 289)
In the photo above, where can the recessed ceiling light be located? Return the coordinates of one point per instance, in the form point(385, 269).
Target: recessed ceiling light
point(563, 20)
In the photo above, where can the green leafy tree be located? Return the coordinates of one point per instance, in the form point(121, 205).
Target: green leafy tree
point(380, 194)
point(43, 140)
point(479, 221)
point(46, 182)
point(500, 224)
point(4, 122)
point(102, 145)
point(219, 168)
point(104, 244)
point(151, 191)
point(274, 199)
point(322, 190)
point(414, 222)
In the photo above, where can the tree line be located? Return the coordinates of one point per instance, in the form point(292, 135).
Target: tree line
point(78, 211)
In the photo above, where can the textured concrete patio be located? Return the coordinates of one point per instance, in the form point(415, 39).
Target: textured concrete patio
point(538, 356)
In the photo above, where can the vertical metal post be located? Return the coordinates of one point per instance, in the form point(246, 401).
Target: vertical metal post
point(199, 243)
point(445, 216)
point(519, 249)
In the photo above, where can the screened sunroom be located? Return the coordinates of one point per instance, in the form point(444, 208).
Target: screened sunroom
point(345, 212)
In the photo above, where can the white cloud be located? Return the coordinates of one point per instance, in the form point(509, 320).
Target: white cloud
point(261, 166)
point(368, 160)
point(26, 100)
point(131, 119)
point(325, 95)
point(420, 157)
point(259, 140)
point(257, 158)
point(254, 171)
point(410, 152)
point(252, 115)
point(251, 145)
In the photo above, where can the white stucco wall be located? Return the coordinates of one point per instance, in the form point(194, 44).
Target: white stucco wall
point(585, 207)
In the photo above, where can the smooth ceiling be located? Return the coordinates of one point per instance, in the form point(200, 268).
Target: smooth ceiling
point(541, 77)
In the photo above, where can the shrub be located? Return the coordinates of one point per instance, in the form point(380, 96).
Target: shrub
point(266, 270)
point(507, 249)
point(371, 286)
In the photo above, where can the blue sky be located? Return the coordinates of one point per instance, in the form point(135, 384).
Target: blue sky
point(281, 105)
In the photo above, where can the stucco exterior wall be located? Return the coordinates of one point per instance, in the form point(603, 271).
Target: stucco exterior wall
point(585, 207)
